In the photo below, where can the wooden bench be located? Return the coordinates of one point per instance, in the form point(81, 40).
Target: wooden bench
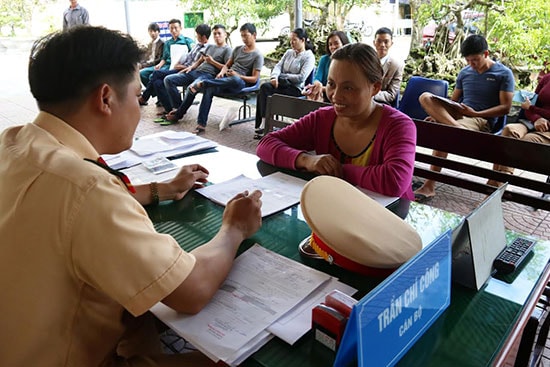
point(282, 110)
point(470, 146)
point(478, 146)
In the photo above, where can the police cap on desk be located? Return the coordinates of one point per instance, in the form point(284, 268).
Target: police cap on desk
point(353, 231)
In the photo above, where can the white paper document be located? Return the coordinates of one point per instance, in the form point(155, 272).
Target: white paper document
point(140, 175)
point(279, 191)
point(261, 287)
point(164, 144)
point(297, 322)
point(168, 142)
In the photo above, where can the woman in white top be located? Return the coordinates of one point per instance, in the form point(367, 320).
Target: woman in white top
point(289, 75)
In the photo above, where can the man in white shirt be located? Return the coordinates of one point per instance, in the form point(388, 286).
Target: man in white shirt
point(393, 68)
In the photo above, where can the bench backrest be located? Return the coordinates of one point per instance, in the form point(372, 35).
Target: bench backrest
point(282, 110)
point(523, 155)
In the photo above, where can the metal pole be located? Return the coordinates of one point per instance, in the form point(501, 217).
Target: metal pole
point(298, 14)
point(127, 14)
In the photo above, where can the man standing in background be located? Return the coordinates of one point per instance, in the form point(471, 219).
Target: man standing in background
point(75, 15)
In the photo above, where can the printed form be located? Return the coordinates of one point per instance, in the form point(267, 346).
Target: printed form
point(261, 288)
point(279, 191)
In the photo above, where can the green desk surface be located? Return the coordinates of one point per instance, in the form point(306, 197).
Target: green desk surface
point(469, 333)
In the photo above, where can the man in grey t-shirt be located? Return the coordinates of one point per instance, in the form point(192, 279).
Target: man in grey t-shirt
point(242, 69)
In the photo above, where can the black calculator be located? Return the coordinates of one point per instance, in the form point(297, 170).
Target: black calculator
point(513, 256)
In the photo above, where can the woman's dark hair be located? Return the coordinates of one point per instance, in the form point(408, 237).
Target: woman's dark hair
point(302, 34)
point(343, 38)
point(67, 66)
point(363, 56)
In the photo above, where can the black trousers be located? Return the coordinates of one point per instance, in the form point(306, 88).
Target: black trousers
point(266, 90)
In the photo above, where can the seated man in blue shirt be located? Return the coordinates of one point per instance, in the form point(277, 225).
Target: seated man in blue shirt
point(485, 89)
point(174, 26)
point(156, 81)
point(242, 69)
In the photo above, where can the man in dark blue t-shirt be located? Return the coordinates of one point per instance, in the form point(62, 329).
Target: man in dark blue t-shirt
point(484, 90)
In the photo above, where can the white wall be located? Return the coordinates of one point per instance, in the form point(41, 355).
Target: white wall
point(111, 14)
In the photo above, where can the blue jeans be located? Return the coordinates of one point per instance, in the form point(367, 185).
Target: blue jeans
point(170, 94)
point(209, 88)
point(145, 75)
point(157, 80)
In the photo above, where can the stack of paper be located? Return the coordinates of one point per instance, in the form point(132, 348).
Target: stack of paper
point(164, 144)
point(265, 294)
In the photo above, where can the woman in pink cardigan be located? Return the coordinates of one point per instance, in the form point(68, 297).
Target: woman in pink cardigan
point(366, 143)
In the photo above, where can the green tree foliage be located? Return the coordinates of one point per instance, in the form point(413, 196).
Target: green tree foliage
point(335, 11)
point(17, 14)
point(521, 34)
point(517, 31)
point(327, 15)
point(232, 13)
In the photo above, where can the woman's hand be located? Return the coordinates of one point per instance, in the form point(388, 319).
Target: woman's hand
point(526, 104)
point(316, 87)
point(323, 164)
point(541, 125)
point(315, 91)
point(274, 82)
point(188, 177)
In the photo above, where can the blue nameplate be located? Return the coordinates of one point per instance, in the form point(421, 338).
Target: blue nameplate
point(385, 323)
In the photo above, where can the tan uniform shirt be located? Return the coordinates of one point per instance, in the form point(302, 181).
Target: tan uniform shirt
point(76, 249)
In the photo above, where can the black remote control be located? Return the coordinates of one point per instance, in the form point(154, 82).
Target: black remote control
point(513, 256)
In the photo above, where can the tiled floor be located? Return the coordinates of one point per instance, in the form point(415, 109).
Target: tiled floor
point(18, 107)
